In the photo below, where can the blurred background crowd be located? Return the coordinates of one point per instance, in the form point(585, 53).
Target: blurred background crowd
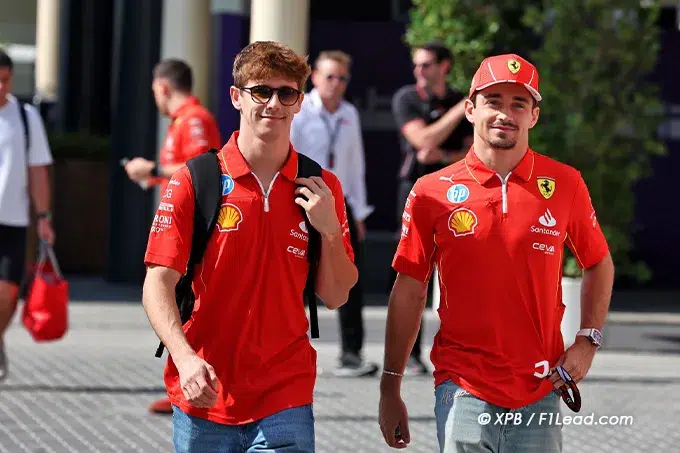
point(608, 77)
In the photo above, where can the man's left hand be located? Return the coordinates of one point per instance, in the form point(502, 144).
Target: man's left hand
point(320, 205)
point(139, 169)
point(45, 231)
point(576, 360)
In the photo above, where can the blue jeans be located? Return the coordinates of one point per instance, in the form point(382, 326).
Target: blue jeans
point(461, 427)
point(288, 431)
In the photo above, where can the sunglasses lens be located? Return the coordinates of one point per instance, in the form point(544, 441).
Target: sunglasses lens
point(288, 96)
point(261, 93)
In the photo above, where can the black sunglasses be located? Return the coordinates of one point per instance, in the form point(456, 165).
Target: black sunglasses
point(424, 65)
point(573, 399)
point(261, 94)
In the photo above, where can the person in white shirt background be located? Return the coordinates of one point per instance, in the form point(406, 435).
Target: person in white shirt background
point(328, 130)
point(23, 172)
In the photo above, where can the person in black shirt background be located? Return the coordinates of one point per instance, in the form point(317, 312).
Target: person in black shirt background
point(433, 133)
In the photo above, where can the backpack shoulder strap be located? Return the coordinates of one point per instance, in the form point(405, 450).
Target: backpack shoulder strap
point(206, 181)
point(24, 122)
point(205, 178)
point(306, 168)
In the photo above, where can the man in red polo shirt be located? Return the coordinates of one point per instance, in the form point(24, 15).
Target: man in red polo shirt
point(193, 129)
point(242, 370)
point(495, 224)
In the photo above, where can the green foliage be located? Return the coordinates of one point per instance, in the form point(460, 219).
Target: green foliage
point(467, 31)
point(599, 112)
point(79, 145)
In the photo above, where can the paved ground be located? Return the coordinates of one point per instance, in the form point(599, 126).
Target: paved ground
point(88, 393)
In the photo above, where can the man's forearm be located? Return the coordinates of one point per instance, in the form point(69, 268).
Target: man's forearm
point(337, 274)
point(596, 293)
point(161, 308)
point(404, 314)
point(168, 170)
point(39, 188)
point(436, 133)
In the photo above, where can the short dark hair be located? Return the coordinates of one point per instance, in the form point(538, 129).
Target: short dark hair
point(177, 72)
point(6, 61)
point(440, 51)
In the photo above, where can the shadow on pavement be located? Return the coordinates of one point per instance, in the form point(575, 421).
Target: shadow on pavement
point(668, 338)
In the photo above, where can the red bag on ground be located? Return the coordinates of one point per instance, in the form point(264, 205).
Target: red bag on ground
point(45, 314)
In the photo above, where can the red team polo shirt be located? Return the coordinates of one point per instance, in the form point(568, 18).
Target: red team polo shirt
point(498, 246)
point(193, 130)
point(249, 320)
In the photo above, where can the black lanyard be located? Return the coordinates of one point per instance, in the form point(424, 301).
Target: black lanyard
point(332, 138)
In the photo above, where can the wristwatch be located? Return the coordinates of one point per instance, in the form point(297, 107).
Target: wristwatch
point(155, 171)
point(47, 215)
point(594, 335)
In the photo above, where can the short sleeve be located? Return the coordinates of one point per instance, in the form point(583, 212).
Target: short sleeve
point(584, 235)
point(340, 209)
point(414, 255)
point(169, 242)
point(404, 107)
point(39, 153)
point(197, 135)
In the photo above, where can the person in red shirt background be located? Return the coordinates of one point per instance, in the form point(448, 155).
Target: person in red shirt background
point(193, 131)
point(495, 224)
point(242, 370)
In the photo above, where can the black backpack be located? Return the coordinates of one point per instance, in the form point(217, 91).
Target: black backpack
point(206, 180)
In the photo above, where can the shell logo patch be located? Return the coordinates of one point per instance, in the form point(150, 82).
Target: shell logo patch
point(462, 222)
point(514, 66)
point(229, 218)
point(546, 186)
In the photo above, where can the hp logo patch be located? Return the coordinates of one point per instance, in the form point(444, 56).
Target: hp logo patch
point(458, 193)
point(227, 184)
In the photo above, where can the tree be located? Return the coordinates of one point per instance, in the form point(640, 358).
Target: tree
point(600, 112)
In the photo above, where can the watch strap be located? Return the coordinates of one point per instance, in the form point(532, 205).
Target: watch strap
point(594, 335)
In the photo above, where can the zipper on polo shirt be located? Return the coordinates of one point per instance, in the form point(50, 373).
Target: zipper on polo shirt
point(266, 192)
point(504, 192)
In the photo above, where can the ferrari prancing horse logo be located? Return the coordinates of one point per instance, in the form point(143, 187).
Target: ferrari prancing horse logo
point(513, 66)
point(546, 186)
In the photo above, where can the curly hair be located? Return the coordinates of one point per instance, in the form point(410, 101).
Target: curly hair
point(263, 60)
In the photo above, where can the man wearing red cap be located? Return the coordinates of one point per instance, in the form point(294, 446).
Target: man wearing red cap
point(495, 224)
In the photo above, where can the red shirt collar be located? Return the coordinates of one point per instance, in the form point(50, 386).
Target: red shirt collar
point(237, 166)
point(190, 102)
point(482, 174)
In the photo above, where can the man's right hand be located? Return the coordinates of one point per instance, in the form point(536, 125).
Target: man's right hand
point(198, 381)
point(392, 415)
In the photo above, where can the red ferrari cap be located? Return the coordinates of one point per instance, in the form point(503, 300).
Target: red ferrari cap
point(509, 68)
